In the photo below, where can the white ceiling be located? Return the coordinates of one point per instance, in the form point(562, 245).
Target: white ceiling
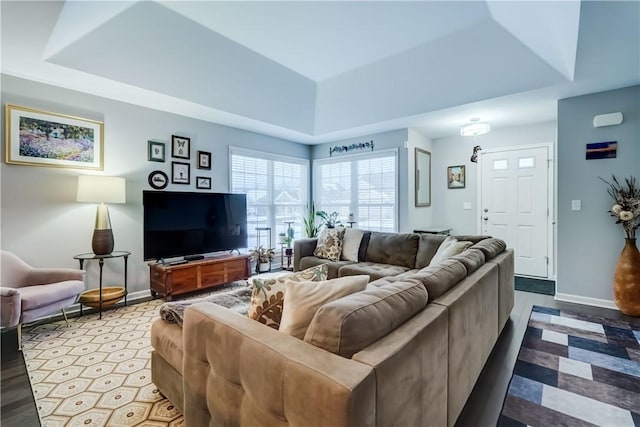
point(315, 71)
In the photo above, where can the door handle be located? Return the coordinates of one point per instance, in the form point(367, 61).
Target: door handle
point(486, 218)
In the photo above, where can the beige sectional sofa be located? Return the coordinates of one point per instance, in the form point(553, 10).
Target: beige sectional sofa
point(405, 351)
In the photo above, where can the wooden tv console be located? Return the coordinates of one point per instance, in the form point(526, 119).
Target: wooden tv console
point(168, 280)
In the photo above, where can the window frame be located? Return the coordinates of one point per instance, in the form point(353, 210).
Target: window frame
point(272, 207)
point(353, 159)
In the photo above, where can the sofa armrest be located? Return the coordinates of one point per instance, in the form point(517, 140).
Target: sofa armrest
point(10, 307)
point(44, 276)
point(240, 372)
point(301, 249)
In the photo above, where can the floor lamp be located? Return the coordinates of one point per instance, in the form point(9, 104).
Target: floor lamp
point(102, 190)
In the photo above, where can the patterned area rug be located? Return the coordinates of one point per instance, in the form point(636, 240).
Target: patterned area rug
point(98, 372)
point(575, 370)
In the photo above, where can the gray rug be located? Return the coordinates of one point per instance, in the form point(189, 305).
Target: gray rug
point(538, 286)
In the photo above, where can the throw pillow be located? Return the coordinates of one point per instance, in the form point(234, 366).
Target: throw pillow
point(329, 245)
point(450, 247)
point(267, 298)
point(305, 298)
point(351, 244)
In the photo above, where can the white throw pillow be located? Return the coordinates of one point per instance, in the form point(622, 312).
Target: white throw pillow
point(351, 244)
point(448, 248)
point(305, 298)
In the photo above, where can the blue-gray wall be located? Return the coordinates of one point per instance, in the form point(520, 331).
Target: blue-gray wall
point(41, 220)
point(589, 241)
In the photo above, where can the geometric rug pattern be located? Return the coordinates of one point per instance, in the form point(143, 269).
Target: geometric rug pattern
point(97, 372)
point(575, 370)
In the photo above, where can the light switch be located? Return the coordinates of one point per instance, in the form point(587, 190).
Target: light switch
point(466, 206)
point(576, 205)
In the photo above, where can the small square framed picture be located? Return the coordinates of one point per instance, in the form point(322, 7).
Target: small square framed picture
point(204, 160)
point(156, 151)
point(180, 173)
point(180, 147)
point(203, 182)
point(456, 176)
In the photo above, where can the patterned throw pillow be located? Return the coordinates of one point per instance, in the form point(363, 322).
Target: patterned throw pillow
point(267, 298)
point(329, 244)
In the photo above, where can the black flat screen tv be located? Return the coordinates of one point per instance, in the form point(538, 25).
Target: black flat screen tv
point(185, 223)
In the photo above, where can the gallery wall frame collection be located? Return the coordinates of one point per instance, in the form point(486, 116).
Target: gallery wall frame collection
point(43, 138)
point(180, 170)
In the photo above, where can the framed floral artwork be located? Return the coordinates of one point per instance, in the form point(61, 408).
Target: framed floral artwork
point(42, 138)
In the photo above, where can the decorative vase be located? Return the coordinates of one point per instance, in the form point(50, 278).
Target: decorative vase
point(263, 266)
point(626, 281)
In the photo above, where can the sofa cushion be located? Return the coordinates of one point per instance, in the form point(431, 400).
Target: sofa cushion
point(352, 323)
point(166, 339)
point(441, 277)
point(428, 245)
point(304, 298)
point(364, 246)
point(448, 248)
point(329, 244)
point(472, 259)
point(351, 244)
point(393, 248)
point(490, 247)
point(373, 269)
point(332, 266)
point(473, 238)
point(267, 298)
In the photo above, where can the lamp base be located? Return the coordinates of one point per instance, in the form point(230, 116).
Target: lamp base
point(102, 243)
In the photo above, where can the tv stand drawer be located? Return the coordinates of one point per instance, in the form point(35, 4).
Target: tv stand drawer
point(167, 280)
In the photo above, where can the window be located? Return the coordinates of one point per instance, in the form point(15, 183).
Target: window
point(365, 185)
point(277, 192)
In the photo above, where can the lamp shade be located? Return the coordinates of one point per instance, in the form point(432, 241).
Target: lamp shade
point(101, 189)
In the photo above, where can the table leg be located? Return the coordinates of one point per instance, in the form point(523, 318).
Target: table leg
point(81, 261)
point(126, 291)
point(101, 262)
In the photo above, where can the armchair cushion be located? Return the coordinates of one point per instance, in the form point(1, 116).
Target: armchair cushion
point(10, 307)
point(43, 276)
point(41, 295)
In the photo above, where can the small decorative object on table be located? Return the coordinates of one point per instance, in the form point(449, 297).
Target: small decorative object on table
point(626, 210)
point(263, 257)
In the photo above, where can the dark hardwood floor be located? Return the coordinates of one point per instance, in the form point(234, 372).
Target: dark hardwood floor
point(482, 409)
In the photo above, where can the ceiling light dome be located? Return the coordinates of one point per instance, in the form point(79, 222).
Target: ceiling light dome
point(475, 128)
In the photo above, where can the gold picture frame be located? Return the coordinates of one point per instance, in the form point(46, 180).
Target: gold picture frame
point(42, 138)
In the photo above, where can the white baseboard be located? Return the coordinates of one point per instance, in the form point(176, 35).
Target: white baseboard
point(577, 299)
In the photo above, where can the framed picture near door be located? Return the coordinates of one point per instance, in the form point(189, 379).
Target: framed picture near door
point(456, 177)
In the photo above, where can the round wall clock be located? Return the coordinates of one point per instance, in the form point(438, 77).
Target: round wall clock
point(158, 180)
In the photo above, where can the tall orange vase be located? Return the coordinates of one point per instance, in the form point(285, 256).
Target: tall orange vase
point(626, 282)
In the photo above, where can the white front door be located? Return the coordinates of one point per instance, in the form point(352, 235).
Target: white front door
point(514, 205)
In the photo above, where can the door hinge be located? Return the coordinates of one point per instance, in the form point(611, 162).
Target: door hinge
point(547, 259)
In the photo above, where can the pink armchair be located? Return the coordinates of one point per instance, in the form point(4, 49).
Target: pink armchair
point(28, 293)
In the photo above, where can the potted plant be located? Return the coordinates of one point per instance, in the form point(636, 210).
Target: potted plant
point(263, 257)
point(310, 226)
point(329, 220)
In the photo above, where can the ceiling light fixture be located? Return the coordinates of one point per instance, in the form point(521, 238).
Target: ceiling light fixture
point(475, 128)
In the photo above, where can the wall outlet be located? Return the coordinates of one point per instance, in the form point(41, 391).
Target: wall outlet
point(576, 205)
point(466, 206)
